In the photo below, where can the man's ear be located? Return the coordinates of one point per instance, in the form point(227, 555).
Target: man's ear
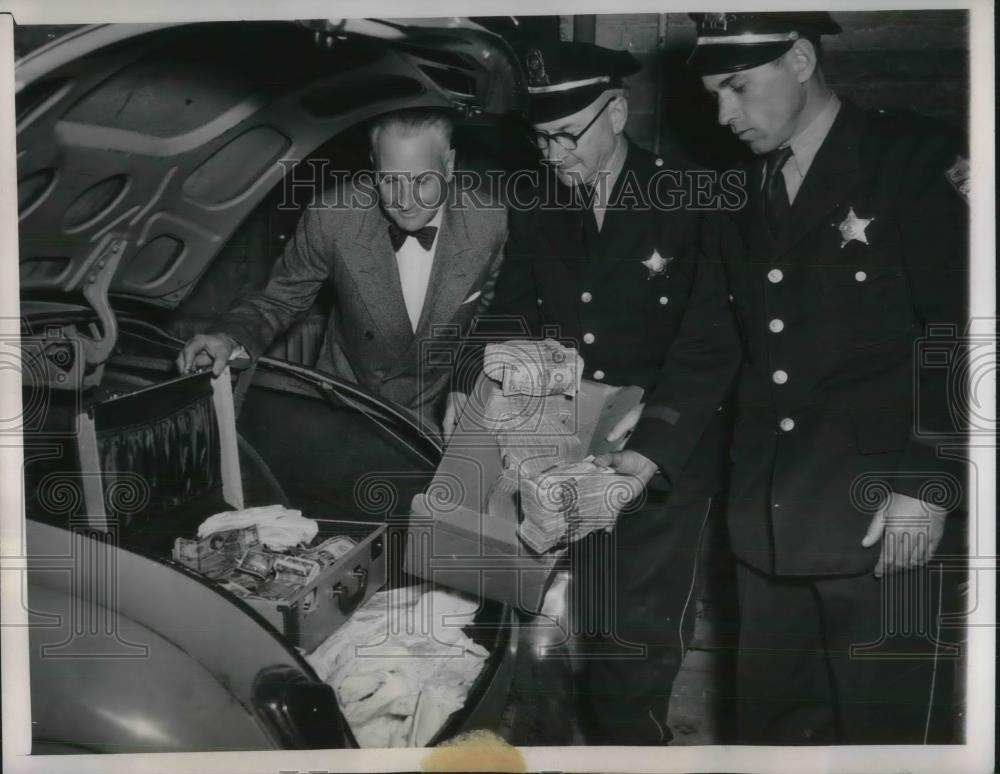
point(803, 59)
point(619, 113)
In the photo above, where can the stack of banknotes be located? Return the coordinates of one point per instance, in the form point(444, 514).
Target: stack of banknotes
point(569, 501)
point(243, 565)
point(534, 368)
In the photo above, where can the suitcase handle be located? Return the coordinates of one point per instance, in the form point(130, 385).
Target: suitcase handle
point(349, 603)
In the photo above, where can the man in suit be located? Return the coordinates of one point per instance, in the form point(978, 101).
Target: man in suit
point(418, 260)
point(853, 242)
point(602, 263)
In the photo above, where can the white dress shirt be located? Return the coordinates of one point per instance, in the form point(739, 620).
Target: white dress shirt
point(414, 265)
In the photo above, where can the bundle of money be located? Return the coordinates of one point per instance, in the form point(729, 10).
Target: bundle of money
point(569, 501)
point(534, 368)
point(329, 551)
point(256, 563)
point(295, 570)
point(240, 563)
point(217, 554)
point(531, 436)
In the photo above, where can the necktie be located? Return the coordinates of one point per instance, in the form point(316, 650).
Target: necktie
point(425, 236)
point(588, 221)
point(776, 205)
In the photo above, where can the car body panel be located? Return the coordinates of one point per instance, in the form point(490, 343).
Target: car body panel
point(164, 138)
point(113, 677)
point(169, 135)
point(146, 653)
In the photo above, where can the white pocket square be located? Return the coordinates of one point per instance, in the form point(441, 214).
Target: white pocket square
point(473, 297)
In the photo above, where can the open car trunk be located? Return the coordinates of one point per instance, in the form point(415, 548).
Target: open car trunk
point(142, 149)
point(305, 440)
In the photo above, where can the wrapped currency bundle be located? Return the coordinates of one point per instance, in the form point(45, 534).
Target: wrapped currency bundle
point(329, 551)
point(531, 440)
point(297, 570)
point(260, 573)
point(258, 564)
point(216, 554)
point(569, 501)
point(534, 368)
point(241, 562)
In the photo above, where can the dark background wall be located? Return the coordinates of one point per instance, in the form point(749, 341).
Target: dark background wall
point(913, 60)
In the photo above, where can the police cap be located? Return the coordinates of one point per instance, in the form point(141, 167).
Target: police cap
point(565, 77)
point(728, 42)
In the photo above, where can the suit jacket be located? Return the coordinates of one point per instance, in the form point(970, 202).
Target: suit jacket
point(369, 339)
point(836, 405)
point(641, 308)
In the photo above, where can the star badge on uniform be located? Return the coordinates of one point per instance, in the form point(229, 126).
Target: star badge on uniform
point(656, 264)
point(852, 228)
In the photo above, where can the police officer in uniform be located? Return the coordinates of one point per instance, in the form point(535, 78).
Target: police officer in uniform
point(852, 243)
point(602, 261)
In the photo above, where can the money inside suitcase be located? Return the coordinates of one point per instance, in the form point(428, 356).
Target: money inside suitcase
point(157, 461)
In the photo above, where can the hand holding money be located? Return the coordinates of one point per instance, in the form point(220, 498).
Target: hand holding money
point(571, 500)
point(630, 463)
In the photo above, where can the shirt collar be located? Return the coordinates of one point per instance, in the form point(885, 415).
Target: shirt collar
point(806, 144)
point(615, 166)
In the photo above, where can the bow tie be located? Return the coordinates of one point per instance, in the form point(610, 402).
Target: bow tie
point(425, 236)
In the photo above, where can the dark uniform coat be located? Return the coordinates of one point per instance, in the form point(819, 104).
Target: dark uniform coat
point(834, 401)
point(838, 404)
point(642, 309)
point(639, 306)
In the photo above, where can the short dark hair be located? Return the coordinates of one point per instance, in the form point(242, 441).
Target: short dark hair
point(413, 121)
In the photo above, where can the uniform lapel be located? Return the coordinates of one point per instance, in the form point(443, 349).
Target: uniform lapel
point(832, 175)
point(373, 266)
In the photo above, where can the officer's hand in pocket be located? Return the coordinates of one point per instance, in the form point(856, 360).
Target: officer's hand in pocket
point(207, 349)
point(910, 530)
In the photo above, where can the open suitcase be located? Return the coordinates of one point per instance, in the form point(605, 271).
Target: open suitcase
point(172, 448)
point(142, 488)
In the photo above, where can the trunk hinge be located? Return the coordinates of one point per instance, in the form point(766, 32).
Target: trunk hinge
point(84, 365)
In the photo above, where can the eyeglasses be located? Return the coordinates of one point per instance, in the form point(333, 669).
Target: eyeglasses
point(565, 139)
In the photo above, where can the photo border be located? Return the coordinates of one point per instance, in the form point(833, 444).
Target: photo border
point(974, 756)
